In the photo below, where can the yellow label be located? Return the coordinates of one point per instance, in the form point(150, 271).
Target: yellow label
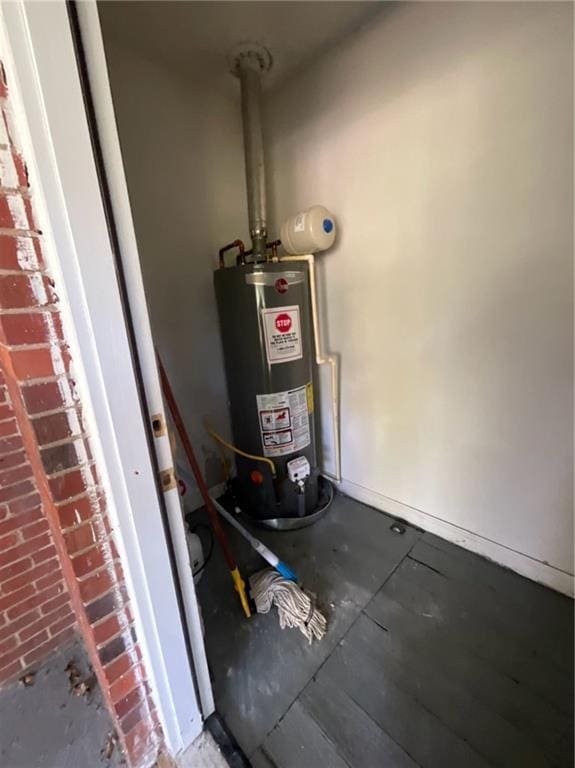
point(309, 394)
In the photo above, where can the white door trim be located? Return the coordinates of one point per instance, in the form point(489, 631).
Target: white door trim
point(37, 47)
point(101, 94)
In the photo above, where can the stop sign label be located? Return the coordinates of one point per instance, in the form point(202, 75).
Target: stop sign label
point(283, 322)
point(282, 331)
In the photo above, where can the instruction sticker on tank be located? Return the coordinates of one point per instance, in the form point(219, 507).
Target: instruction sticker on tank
point(284, 421)
point(282, 332)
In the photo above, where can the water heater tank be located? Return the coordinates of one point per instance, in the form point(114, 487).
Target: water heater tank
point(266, 330)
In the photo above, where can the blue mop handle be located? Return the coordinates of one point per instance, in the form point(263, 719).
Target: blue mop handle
point(282, 568)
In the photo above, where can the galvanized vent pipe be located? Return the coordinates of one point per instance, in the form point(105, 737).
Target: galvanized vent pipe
point(248, 63)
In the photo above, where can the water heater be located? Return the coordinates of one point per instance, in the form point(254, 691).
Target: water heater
point(266, 335)
point(267, 316)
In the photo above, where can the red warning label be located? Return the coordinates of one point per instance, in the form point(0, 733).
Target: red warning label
point(284, 421)
point(283, 322)
point(282, 332)
point(278, 418)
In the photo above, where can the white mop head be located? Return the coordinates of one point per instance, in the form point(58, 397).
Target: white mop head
point(296, 608)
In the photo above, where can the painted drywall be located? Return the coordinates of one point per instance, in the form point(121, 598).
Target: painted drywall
point(441, 135)
point(182, 148)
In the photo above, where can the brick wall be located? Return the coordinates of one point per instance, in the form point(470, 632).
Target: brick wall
point(59, 569)
point(35, 611)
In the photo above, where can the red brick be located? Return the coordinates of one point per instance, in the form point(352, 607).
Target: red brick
point(66, 622)
point(16, 522)
point(19, 291)
point(14, 214)
point(46, 396)
point(38, 363)
point(138, 736)
point(54, 604)
point(95, 585)
point(10, 444)
point(9, 673)
point(21, 169)
point(57, 426)
point(31, 328)
point(15, 626)
point(8, 428)
point(34, 601)
point(25, 504)
point(30, 212)
point(12, 476)
point(124, 684)
point(80, 538)
point(6, 543)
point(128, 702)
point(6, 646)
point(51, 578)
point(58, 615)
point(107, 629)
point(20, 253)
point(16, 598)
point(103, 606)
point(35, 529)
point(28, 576)
point(28, 646)
point(87, 562)
point(14, 569)
point(68, 485)
point(46, 552)
point(46, 622)
point(15, 491)
point(95, 475)
point(6, 411)
point(64, 456)
point(42, 651)
point(33, 547)
point(115, 669)
point(16, 583)
point(43, 569)
point(77, 511)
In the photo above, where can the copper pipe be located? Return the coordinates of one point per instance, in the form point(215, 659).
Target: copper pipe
point(274, 245)
point(241, 252)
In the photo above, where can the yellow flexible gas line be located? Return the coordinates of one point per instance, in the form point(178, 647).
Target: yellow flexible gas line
point(233, 448)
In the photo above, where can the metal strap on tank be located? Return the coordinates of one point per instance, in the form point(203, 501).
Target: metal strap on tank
point(271, 278)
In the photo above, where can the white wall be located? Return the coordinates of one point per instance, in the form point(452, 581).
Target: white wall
point(182, 148)
point(441, 136)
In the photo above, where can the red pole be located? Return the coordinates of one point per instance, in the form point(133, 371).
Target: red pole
point(219, 532)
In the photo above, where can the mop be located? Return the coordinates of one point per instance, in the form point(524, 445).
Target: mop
point(278, 586)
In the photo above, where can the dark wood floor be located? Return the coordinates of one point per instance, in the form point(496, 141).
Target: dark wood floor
point(434, 657)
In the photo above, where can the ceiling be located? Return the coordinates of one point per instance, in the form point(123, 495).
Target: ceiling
point(196, 37)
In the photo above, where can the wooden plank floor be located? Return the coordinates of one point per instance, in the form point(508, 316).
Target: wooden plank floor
point(438, 658)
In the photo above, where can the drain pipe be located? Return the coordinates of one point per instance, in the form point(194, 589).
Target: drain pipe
point(248, 62)
point(321, 358)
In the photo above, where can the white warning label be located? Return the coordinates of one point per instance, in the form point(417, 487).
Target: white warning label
point(282, 332)
point(284, 421)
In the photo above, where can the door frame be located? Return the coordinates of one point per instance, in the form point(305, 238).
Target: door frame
point(56, 61)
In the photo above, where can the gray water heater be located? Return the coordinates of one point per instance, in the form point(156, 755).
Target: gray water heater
point(265, 322)
point(268, 318)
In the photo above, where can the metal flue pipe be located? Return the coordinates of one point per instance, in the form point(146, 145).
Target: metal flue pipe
point(249, 69)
